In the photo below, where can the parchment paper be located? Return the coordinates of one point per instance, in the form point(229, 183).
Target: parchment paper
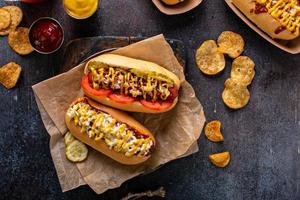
point(176, 131)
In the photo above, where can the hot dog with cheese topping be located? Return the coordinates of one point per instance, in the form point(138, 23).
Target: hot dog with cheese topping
point(130, 84)
point(110, 131)
point(278, 18)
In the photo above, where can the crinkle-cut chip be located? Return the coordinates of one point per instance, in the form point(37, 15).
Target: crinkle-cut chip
point(242, 70)
point(4, 18)
point(220, 159)
point(235, 95)
point(208, 59)
point(9, 74)
point(231, 43)
point(213, 131)
point(76, 151)
point(69, 138)
point(16, 16)
point(18, 40)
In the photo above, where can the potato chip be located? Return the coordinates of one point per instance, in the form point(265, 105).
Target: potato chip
point(208, 59)
point(220, 159)
point(231, 43)
point(69, 138)
point(242, 70)
point(213, 131)
point(76, 151)
point(16, 16)
point(235, 95)
point(18, 40)
point(9, 74)
point(4, 19)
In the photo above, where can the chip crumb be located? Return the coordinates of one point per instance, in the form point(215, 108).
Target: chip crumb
point(212, 131)
point(220, 159)
point(9, 74)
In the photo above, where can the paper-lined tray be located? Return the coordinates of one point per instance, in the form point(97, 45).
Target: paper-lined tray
point(180, 8)
point(292, 46)
point(176, 131)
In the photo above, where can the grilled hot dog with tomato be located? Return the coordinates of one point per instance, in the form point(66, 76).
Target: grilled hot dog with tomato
point(130, 84)
point(110, 131)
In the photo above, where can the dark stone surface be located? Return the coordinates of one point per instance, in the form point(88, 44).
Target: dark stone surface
point(263, 138)
point(82, 49)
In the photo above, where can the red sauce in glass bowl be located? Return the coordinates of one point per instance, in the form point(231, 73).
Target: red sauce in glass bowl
point(46, 35)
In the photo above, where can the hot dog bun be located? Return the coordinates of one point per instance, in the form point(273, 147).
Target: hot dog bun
point(143, 67)
point(264, 21)
point(131, 63)
point(101, 144)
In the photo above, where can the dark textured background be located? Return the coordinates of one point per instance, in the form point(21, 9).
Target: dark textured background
point(263, 138)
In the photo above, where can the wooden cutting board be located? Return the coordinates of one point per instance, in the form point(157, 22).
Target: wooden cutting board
point(78, 50)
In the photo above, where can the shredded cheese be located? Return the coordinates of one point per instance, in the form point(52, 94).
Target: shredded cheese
point(102, 126)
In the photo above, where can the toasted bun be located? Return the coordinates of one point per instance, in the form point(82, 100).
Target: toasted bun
point(100, 145)
point(131, 63)
point(264, 21)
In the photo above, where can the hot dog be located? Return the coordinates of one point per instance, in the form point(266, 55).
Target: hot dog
point(130, 84)
point(280, 19)
point(110, 131)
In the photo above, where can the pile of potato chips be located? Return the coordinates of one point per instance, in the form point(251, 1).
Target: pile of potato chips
point(18, 38)
point(210, 60)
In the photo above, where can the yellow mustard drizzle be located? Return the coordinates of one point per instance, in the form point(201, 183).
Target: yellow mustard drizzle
point(129, 79)
point(126, 82)
point(101, 126)
point(285, 11)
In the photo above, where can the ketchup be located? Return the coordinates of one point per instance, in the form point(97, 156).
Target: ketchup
point(46, 35)
point(279, 29)
point(259, 8)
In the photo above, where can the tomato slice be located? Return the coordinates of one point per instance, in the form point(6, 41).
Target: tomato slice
point(91, 91)
point(119, 98)
point(156, 105)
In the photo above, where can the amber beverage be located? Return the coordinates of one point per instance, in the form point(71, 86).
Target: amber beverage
point(80, 9)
